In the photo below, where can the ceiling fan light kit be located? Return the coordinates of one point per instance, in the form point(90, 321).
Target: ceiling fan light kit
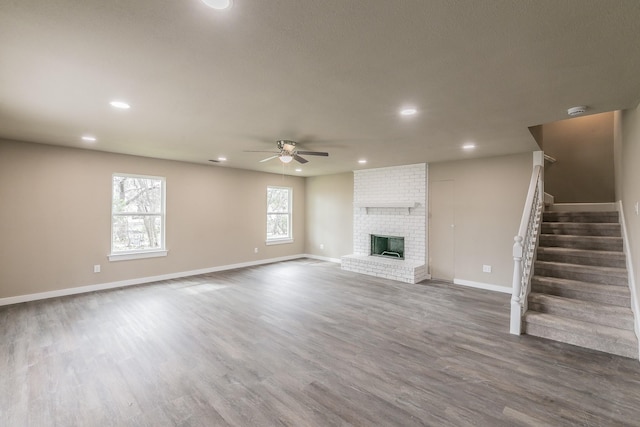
point(285, 158)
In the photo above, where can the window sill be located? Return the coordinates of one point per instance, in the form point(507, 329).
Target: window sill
point(136, 255)
point(278, 241)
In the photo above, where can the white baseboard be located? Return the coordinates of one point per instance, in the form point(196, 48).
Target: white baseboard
point(323, 258)
point(632, 280)
point(138, 281)
point(480, 285)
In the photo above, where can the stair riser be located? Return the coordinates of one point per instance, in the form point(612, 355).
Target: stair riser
point(615, 321)
point(603, 298)
point(605, 279)
point(581, 242)
point(593, 260)
point(592, 342)
point(581, 217)
point(608, 230)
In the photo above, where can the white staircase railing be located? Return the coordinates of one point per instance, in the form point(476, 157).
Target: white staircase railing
point(524, 248)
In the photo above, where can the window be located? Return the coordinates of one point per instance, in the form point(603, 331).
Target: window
point(279, 209)
point(137, 217)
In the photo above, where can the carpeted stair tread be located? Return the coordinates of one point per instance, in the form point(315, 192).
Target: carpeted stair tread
point(616, 271)
point(586, 311)
point(584, 334)
point(582, 256)
point(591, 217)
point(582, 228)
point(586, 273)
point(602, 243)
point(585, 291)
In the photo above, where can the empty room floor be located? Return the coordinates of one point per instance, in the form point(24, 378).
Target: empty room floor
point(299, 343)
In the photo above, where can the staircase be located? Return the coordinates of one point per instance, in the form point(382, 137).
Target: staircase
point(579, 290)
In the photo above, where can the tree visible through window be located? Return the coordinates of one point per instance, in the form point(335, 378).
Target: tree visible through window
point(279, 213)
point(137, 214)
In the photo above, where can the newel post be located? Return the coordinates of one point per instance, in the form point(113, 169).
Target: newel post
point(516, 303)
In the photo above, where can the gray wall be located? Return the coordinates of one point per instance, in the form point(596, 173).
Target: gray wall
point(55, 216)
point(329, 219)
point(56, 209)
point(488, 200)
point(584, 150)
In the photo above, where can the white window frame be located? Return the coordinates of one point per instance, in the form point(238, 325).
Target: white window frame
point(280, 240)
point(140, 253)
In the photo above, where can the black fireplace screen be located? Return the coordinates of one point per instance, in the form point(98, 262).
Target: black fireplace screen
point(387, 246)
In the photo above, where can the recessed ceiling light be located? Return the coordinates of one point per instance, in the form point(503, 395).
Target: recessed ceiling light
point(362, 161)
point(469, 146)
point(409, 111)
point(218, 4)
point(89, 138)
point(298, 170)
point(222, 159)
point(120, 104)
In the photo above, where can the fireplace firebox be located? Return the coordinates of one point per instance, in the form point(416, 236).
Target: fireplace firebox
point(387, 246)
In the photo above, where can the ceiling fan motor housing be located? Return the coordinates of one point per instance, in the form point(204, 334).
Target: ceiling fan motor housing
point(286, 145)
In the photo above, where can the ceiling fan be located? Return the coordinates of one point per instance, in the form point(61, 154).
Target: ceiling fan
point(288, 152)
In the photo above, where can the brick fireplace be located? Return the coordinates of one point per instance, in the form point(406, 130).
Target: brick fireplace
point(390, 202)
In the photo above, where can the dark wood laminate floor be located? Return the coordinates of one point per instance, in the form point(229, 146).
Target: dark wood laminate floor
point(300, 343)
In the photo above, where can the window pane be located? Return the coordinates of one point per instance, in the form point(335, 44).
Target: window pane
point(132, 232)
point(133, 195)
point(278, 200)
point(277, 226)
point(279, 213)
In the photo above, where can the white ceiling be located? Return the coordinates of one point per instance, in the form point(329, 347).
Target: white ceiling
point(332, 74)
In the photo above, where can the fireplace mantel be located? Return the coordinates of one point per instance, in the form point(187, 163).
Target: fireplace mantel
point(404, 205)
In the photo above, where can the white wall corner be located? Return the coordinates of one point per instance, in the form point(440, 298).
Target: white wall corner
point(635, 304)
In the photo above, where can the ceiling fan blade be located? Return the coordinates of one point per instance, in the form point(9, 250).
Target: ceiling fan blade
point(313, 153)
point(300, 159)
point(259, 151)
point(269, 158)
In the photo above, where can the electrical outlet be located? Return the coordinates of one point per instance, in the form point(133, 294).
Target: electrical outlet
point(96, 268)
point(637, 213)
point(486, 268)
point(255, 250)
point(321, 246)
